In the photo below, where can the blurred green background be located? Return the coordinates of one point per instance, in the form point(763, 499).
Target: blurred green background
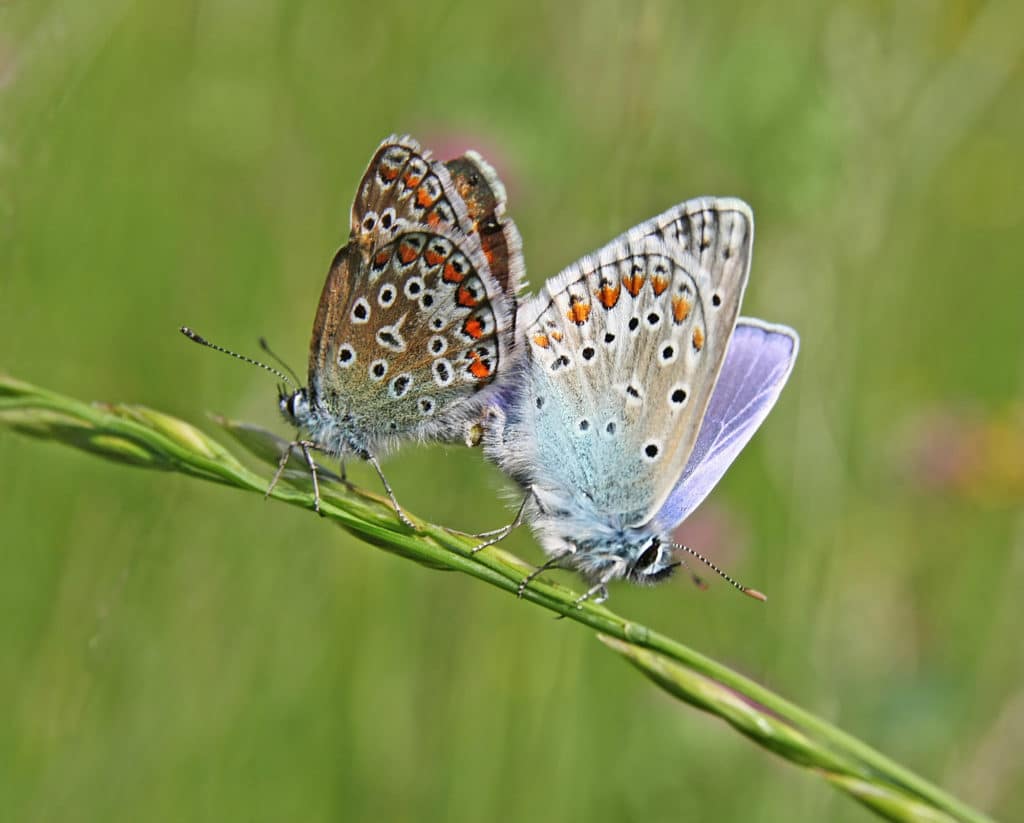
point(176, 651)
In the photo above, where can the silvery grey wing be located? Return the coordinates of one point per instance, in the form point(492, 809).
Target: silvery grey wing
point(624, 350)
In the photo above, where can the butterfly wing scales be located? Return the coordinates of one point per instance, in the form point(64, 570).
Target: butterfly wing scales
point(757, 365)
point(404, 185)
point(718, 231)
point(415, 328)
point(484, 195)
point(605, 403)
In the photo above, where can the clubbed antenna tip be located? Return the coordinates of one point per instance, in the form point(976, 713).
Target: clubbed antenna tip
point(734, 583)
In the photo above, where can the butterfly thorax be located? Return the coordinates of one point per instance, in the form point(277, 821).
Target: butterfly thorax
point(335, 431)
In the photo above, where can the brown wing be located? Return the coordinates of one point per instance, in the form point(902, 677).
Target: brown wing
point(408, 334)
point(404, 186)
point(484, 195)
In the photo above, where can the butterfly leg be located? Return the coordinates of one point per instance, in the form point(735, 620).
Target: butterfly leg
point(599, 591)
point(497, 535)
point(305, 445)
point(550, 564)
point(369, 458)
point(312, 471)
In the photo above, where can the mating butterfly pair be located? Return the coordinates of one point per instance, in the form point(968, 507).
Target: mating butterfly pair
point(616, 397)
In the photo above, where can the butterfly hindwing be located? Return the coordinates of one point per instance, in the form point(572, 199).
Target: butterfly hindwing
point(484, 195)
point(757, 364)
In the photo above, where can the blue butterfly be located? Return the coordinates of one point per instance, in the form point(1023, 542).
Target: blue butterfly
point(636, 387)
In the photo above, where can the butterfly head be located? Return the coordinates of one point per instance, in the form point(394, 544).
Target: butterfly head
point(635, 555)
point(652, 562)
point(295, 406)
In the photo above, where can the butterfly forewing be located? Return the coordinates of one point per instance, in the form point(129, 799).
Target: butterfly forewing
point(417, 328)
point(625, 347)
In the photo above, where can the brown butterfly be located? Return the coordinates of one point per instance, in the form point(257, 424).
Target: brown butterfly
point(416, 319)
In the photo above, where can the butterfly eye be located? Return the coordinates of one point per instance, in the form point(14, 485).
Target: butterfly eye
point(649, 556)
point(295, 406)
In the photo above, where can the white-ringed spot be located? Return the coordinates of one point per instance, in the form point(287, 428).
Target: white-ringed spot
point(360, 311)
point(369, 221)
point(389, 220)
point(400, 385)
point(413, 287)
point(390, 338)
point(346, 355)
point(386, 296)
point(650, 451)
point(443, 371)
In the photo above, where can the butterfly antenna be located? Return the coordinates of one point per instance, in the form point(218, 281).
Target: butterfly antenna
point(202, 341)
point(280, 360)
point(735, 584)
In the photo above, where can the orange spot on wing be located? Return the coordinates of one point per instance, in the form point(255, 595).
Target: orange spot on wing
point(578, 312)
point(633, 283)
point(474, 328)
point(659, 284)
point(424, 198)
point(541, 340)
point(433, 218)
point(406, 253)
point(608, 296)
point(680, 309)
point(465, 298)
point(412, 180)
point(556, 335)
point(433, 258)
point(381, 258)
point(479, 369)
point(389, 173)
point(698, 339)
point(450, 275)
